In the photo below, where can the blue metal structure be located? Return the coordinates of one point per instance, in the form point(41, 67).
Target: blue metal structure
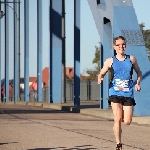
point(55, 51)
point(0, 60)
point(6, 54)
point(63, 85)
point(39, 50)
point(15, 81)
point(76, 52)
point(114, 18)
point(101, 87)
point(26, 50)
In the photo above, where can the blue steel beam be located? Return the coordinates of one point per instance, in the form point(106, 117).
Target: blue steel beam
point(76, 52)
point(50, 65)
point(6, 53)
point(55, 51)
point(114, 18)
point(18, 49)
point(136, 47)
point(63, 100)
point(39, 50)
point(0, 59)
point(101, 86)
point(15, 81)
point(26, 50)
point(104, 26)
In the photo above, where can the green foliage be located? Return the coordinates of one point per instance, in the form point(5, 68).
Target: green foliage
point(94, 72)
point(146, 36)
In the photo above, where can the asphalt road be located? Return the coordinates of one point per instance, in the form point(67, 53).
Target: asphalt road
point(34, 128)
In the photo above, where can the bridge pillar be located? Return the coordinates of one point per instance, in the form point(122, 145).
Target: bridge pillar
point(39, 50)
point(6, 84)
point(26, 50)
point(15, 81)
point(0, 60)
point(114, 18)
point(55, 51)
point(76, 52)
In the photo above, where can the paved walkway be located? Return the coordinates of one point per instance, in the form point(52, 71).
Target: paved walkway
point(41, 126)
point(87, 108)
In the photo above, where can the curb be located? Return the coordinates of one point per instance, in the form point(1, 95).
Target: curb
point(95, 112)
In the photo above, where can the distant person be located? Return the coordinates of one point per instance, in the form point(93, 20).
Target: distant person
point(34, 87)
point(2, 94)
point(121, 86)
point(44, 85)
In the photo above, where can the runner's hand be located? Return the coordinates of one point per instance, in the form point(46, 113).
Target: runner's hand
point(137, 88)
point(100, 80)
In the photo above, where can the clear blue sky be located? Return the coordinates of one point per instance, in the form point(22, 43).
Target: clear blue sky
point(89, 34)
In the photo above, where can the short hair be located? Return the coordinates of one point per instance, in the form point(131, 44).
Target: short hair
point(117, 38)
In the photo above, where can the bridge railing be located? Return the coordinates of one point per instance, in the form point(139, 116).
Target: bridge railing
point(89, 90)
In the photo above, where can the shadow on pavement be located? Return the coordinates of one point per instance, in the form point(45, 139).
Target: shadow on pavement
point(7, 143)
point(83, 147)
point(11, 111)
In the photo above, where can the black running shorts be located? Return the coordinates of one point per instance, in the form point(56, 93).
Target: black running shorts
point(125, 101)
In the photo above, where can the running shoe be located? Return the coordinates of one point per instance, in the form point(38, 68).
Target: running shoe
point(119, 146)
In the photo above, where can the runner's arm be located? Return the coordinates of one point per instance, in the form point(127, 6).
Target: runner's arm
point(137, 69)
point(104, 70)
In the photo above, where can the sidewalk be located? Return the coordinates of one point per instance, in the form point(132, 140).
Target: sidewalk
point(90, 108)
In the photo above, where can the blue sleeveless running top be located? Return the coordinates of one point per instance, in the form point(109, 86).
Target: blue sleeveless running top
point(121, 83)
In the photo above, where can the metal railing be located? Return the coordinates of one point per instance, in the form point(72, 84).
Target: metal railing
point(89, 90)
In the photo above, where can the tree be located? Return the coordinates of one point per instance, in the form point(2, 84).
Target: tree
point(93, 72)
point(146, 36)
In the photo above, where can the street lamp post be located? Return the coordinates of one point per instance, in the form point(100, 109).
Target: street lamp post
point(2, 2)
point(17, 64)
point(1, 12)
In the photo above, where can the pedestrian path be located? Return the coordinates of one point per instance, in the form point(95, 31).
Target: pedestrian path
point(24, 126)
point(91, 108)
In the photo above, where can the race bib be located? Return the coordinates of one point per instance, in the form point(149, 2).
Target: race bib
point(121, 85)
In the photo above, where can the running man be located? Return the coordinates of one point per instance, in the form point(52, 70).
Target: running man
point(121, 86)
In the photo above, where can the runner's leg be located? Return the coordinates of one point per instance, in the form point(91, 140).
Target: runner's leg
point(128, 112)
point(118, 113)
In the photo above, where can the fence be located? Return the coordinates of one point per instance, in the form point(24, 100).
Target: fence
point(89, 90)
